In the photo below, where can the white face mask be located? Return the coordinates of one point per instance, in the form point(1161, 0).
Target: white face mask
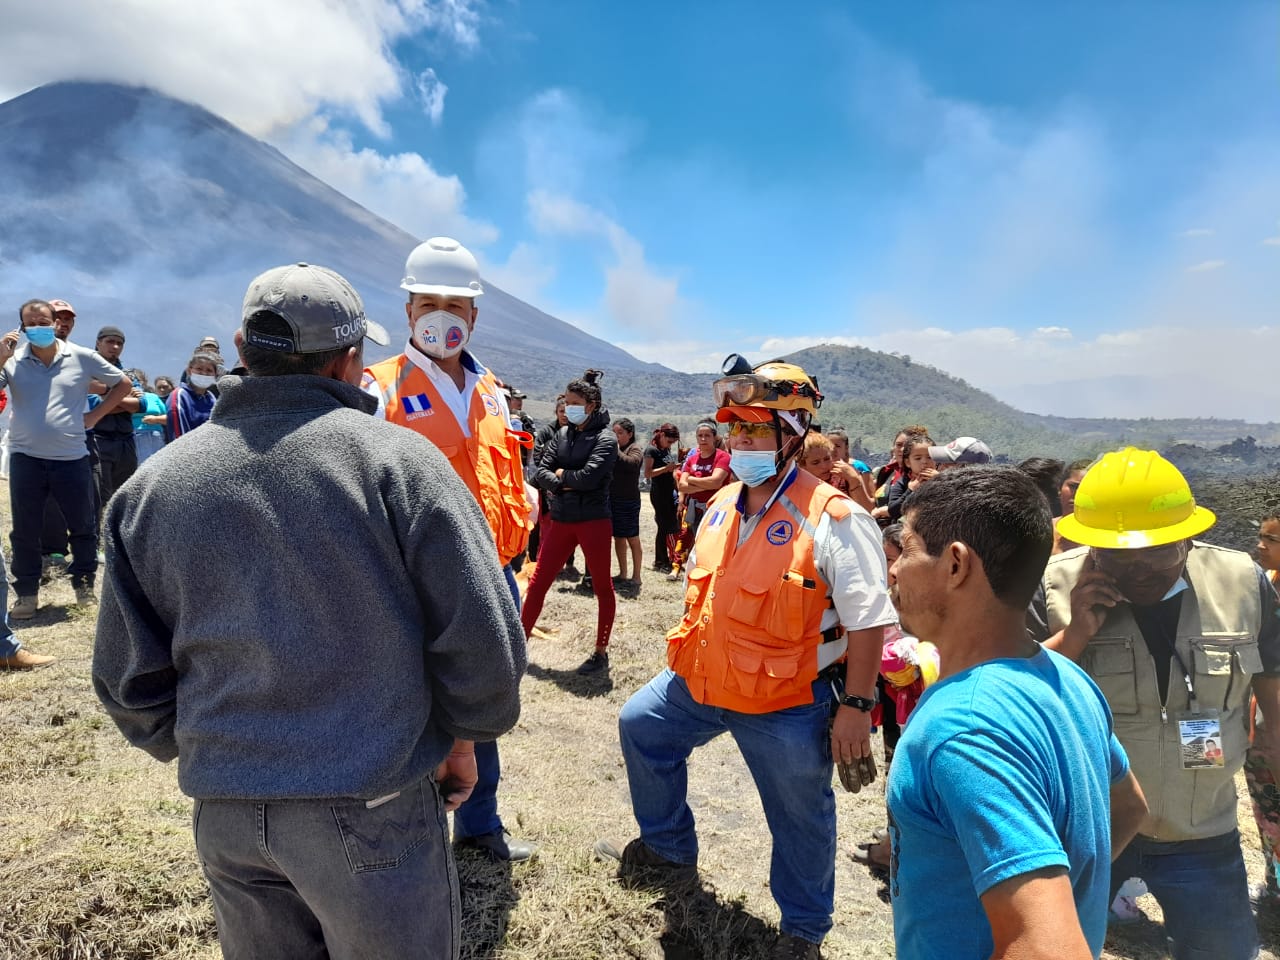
point(440, 334)
point(201, 380)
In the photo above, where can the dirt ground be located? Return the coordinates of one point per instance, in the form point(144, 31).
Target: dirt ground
point(96, 857)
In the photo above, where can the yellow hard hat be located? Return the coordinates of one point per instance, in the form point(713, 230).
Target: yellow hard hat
point(1133, 499)
point(773, 385)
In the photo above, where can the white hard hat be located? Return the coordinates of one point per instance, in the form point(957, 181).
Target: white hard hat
point(443, 266)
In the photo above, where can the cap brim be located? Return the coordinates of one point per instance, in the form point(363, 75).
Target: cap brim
point(376, 332)
point(443, 291)
point(1201, 519)
point(943, 455)
point(749, 414)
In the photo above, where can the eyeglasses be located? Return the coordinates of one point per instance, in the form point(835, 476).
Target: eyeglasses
point(756, 431)
point(1145, 558)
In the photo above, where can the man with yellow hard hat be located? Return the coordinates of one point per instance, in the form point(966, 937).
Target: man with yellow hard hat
point(1176, 633)
point(780, 643)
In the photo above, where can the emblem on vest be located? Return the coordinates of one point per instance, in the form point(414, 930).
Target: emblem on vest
point(779, 533)
point(490, 404)
point(416, 407)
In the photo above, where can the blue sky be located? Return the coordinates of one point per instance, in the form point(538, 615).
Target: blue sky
point(1075, 206)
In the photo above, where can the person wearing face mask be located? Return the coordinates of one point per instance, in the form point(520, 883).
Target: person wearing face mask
point(438, 388)
point(1177, 634)
point(48, 382)
point(576, 468)
point(321, 657)
point(191, 404)
point(780, 644)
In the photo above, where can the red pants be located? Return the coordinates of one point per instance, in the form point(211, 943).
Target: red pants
point(558, 542)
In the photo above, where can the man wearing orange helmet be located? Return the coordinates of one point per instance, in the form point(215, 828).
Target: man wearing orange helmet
point(1176, 633)
point(780, 644)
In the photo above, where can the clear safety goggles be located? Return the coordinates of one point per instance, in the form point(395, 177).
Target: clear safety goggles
point(744, 389)
point(1119, 562)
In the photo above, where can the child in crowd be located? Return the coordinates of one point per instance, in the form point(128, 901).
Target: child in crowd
point(917, 468)
point(848, 475)
point(190, 404)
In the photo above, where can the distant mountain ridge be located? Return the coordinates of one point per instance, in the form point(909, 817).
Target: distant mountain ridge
point(153, 214)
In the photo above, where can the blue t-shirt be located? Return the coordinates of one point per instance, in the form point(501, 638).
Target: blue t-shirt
point(1004, 769)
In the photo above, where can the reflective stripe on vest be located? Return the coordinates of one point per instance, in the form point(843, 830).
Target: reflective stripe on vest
point(1217, 637)
point(750, 634)
point(489, 461)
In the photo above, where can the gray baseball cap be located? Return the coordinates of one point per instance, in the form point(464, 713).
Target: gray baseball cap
point(962, 450)
point(323, 310)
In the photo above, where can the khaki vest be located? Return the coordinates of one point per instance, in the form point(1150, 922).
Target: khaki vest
point(1217, 638)
point(752, 624)
point(490, 461)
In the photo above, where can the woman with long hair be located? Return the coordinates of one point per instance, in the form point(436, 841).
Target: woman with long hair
point(576, 468)
point(661, 460)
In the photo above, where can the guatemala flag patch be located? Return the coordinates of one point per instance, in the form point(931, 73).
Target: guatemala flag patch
point(416, 406)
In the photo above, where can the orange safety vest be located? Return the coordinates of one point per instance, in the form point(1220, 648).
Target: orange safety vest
point(489, 461)
point(752, 625)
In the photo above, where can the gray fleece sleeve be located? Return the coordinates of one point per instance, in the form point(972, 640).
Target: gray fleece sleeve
point(475, 645)
point(133, 671)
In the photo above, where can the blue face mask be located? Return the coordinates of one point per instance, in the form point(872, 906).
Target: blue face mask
point(575, 413)
point(753, 467)
point(39, 336)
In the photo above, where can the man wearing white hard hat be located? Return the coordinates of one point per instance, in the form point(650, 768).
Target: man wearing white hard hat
point(438, 388)
point(960, 452)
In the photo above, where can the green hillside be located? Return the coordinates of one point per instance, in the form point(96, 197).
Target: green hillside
point(873, 394)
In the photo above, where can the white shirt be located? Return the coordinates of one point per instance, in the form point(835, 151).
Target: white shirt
point(458, 401)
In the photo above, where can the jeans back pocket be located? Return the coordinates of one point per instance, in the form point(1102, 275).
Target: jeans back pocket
point(382, 838)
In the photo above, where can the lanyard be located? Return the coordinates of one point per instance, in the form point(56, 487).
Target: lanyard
point(1193, 702)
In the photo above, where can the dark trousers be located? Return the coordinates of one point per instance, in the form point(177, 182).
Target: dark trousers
point(117, 461)
point(53, 538)
point(70, 482)
point(479, 814)
point(668, 521)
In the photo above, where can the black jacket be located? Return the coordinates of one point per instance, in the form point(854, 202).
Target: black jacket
point(587, 455)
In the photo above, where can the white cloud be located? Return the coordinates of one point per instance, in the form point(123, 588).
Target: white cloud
point(1196, 232)
point(1206, 266)
point(637, 296)
point(1271, 242)
point(525, 274)
point(403, 187)
point(431, 93)
point(263, 66)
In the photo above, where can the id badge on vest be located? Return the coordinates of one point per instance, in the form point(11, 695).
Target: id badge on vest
point(1200, 740)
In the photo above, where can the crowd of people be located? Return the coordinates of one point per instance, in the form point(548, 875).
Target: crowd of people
point(1067, 680)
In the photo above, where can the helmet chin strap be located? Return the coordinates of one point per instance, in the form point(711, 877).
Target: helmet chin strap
point(781, 457)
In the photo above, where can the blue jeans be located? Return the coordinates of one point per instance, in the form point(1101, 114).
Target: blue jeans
point(789, 755)
point(309, 879)
point(479, 815)
point(1203, 890)
point(9, 643)
point(31, 480)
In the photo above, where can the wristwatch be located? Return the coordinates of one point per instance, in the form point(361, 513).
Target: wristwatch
point(860, 703)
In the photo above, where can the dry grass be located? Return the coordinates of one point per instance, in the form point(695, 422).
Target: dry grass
point(96, 857)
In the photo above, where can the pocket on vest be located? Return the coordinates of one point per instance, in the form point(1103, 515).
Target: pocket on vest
point(1110, 662)
point(1223, 666)
point(759, 671)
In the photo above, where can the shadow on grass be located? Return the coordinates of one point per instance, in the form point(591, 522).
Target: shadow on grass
point(488, 897)
point(588, 687)
point(699, 925)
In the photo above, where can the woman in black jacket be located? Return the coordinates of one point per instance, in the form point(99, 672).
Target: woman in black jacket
point(577, 467)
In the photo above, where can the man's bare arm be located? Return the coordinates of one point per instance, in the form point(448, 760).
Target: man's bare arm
point(1128, 810)
point(1033, 917)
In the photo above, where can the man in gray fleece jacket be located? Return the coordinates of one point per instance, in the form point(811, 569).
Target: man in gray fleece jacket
point(303, 606)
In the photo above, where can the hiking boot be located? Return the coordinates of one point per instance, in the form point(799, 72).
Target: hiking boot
point(25, 660)
point(24, 608)
point(638, 865)
point(795, 948)
point(500, 845)
point(84, 594)
point(598, 662)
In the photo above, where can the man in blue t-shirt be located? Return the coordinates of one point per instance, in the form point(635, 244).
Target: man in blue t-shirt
point(1008, 789)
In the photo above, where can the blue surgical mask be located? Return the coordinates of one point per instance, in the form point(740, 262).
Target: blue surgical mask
point(754, 467)
point(39, 336)
point(575, 413)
